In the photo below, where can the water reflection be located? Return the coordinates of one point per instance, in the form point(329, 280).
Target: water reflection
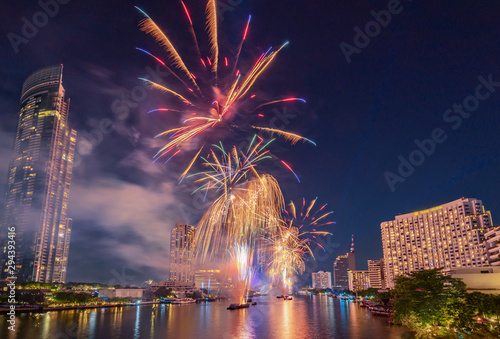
point(91, 331)
point(303, 317)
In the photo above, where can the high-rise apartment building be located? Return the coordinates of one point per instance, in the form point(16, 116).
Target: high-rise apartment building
point(39, 177)
point(182, 254)
point(358, 280)
point(322, 280)
point(376, 273)
point(492, 246)
point(341, 267)
point(449, 236)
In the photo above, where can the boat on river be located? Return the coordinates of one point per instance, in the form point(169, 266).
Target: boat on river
point(183, 301)
point(238, 306)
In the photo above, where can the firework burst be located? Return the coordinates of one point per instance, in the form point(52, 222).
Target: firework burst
point(288, 244)
point(308, 220)
point(248, 205)
point(216, 105)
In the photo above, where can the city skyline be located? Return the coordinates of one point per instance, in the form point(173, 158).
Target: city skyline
point(354, 112)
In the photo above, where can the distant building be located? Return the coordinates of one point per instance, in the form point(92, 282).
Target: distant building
point(450, 236)
point(358, 280)
point(182, 254)
point(211, 280)
point(484, 279)
point(322, 280)
point(38, 183)
point(376, 273)
point(121, 293)
point(175, 286)
point(341, 266)
point(492, 244)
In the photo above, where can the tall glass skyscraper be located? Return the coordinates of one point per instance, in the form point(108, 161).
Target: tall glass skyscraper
point(39, 177)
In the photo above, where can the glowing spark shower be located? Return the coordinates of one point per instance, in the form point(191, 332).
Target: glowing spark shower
point(289, 244)
point(248, 205)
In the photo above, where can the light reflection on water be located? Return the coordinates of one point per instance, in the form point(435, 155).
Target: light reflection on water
point(303, 317)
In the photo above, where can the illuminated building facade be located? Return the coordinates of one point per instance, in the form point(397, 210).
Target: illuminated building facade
point(449, 236)
point(322, 280)
point(181, 254)
point(492, 244)
point(376, 273)
point(39, 177)
point(358, 280)
point(210, 280)
point(342, 265)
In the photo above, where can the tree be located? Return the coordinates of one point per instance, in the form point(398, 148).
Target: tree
point(71, 297)
point(31, 298)
point(428, 300)
point(162, 292)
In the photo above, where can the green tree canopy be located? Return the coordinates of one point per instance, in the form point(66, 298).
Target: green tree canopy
point(428, 299)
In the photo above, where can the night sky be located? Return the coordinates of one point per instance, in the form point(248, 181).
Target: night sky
point(400, 86)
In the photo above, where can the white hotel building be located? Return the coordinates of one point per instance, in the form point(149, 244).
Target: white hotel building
point(322, 280)
point(449, 236)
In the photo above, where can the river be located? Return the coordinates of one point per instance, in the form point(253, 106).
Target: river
point(303, 317)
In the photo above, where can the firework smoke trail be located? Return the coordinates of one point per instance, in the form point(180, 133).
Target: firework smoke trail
point(219, 105)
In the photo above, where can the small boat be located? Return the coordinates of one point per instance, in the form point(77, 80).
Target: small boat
point(280, 296)
point(288, 297)
point(380, 310)
point(238, 306)
point(249, 300)
point(183, 301)
point(254, 303)
point(364, 303)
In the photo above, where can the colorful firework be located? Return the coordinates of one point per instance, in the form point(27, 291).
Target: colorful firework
point(286, 252)
point(249, 204)
point(289, 242)
point(308, 220)
point(217, 96)
point(233, 166)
